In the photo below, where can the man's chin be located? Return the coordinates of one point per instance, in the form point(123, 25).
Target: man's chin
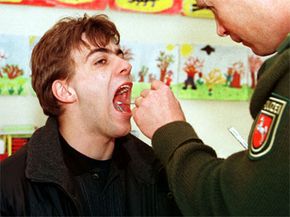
point(125, 131)
point(262, 52)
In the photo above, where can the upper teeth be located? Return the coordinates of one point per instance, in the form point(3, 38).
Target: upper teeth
point(123, 89)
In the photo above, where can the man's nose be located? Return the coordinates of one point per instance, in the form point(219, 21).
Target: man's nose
point(220, 29)
point(125, 67)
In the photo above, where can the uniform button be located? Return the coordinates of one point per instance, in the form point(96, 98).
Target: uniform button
point(170, 195)
point(96, 176)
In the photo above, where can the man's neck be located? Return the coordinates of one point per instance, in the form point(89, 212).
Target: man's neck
point(86, 141)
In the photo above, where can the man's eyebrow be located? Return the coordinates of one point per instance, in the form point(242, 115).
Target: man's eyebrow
point(104, 50)
point(96, 50)
point(119, 52)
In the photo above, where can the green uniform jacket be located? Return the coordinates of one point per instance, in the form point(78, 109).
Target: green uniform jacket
point(254, 182)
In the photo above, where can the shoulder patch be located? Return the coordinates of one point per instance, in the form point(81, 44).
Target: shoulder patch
point(267, 122)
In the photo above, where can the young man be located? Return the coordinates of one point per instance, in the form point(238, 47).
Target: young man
point(84, 162)
point(252, 182)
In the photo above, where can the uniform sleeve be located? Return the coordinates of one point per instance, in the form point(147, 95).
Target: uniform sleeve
point(204, 184)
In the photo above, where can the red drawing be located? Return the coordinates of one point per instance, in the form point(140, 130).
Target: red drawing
point(192, 67)
point(255, 63)
point(12, 71)
point(164, 61)
point(237, 73)
point(168, 78)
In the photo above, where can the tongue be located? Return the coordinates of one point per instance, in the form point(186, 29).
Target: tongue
point(121, 103)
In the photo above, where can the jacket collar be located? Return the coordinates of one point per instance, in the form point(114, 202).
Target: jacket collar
point(44, 156)
point(285, 44)
point(45, 161)
point(270, 75)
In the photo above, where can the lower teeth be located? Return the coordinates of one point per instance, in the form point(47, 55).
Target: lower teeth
point(119, 108)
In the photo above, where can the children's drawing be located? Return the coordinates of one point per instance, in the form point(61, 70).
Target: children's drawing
point(255, 63)
point(168, 78)
point(213, 72)
point(192, 71)
point(33, 39)
point(237, 72)
point(14, 65)
point(147, 6)
point(189, 8)
point(142, 73)
point(145, 2)
point(12, 1)
point(28, 2)
point(151, 61)
point(85, 4)
point(192, 67)
point(214, 78)
point(208, 49)
point(164, 60)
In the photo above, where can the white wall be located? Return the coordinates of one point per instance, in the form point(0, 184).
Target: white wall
point(210, 118)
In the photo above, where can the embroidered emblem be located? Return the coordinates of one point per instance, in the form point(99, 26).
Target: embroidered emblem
point(264, 132)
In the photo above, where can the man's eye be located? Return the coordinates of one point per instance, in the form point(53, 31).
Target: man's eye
point(100, 62)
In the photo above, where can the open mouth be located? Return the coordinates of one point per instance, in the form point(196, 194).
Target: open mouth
point(122, 98)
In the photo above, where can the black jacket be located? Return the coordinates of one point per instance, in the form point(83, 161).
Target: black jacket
point(36, 182)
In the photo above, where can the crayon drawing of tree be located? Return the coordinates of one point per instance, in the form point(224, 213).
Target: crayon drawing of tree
point(142, 73)
point(164, 60)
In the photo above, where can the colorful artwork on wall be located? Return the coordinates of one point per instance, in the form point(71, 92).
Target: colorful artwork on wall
point(84, 4)
point(147, 6)
point(12, 1)
point(28, 2)
point(151, 61)
point(32, 42)
point(14, 65)
point(213, 72)
point(183, 7)
point(192, 71)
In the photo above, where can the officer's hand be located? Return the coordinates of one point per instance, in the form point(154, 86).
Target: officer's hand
point(155, 108)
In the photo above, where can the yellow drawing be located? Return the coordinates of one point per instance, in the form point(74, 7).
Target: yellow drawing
point(148, 6)
point(215, 77)
point(12, 1)
point(186, 50)
point(170, 47)
point(32, 40)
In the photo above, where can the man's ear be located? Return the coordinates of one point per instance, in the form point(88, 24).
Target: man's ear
point(63, 92)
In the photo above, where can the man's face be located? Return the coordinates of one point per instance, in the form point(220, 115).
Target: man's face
point(103, 87)
point(243, 21)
